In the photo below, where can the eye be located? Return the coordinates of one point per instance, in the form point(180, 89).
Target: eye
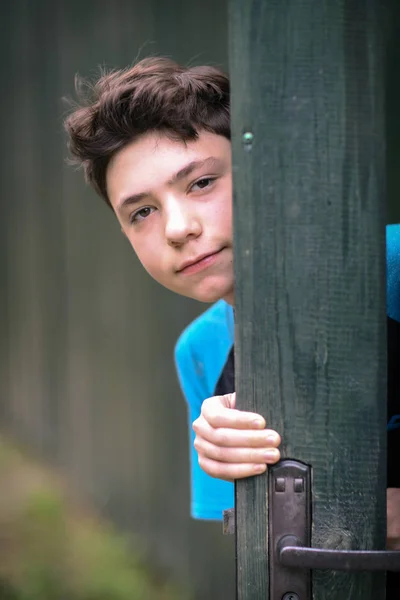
point(203, 183)
point(141, 214)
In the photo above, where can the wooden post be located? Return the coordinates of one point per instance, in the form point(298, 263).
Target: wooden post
point(309, 212)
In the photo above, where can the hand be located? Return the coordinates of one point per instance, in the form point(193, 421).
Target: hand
point(233, 444)
point(393, 519)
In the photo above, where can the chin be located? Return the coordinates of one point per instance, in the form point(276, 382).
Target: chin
point(212, 294)
point(206, 298)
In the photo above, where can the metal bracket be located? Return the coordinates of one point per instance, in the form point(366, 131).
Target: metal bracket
point(290, 554)
point(289, 519)
point(289, 500)
point(228, 526)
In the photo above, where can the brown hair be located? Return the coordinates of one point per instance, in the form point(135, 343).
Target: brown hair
point(156, 94)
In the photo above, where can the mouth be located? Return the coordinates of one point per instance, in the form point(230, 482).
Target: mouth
point(199, 263)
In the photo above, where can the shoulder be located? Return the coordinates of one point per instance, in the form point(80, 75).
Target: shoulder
point(203, 347)
point(212, 332)
point(393, 271)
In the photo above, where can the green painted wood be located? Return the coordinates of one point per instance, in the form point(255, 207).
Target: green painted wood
point(310, 304)
point(393, 113)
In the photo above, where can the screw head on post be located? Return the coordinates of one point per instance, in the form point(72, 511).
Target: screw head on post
point(290, 596)
point(247, 140)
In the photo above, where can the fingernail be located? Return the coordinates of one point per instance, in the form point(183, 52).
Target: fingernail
point(258, 423)
point(271, 439)
point(270, 454)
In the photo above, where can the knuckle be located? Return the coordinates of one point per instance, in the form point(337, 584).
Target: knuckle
point(210, 410)
point(197, 444)
point(195, 425)
point(198, 425)
point(203, 463)
point(207, 405)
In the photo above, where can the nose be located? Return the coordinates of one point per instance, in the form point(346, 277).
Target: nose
point(182, 222)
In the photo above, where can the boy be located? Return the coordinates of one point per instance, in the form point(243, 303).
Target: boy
point(154, 142)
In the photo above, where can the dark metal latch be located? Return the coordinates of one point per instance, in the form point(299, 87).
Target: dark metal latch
point(291, 557)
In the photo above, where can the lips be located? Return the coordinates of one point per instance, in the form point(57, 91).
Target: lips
point(197, 261)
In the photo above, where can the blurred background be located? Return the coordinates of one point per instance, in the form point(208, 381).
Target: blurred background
point(94, 471)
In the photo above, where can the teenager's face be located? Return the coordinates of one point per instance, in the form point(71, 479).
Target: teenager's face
point(174, 204)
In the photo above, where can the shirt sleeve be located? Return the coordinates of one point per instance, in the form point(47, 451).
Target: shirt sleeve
point(393, 271)
point(393, 331)
point(198, 358)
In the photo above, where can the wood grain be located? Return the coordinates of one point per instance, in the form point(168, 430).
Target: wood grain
point(309, 210)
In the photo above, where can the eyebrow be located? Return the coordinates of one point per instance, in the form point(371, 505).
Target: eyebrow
point(211, 161)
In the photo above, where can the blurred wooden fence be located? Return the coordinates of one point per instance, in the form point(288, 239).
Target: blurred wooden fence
point(86, 370)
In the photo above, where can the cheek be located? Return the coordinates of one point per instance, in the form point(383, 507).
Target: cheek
point(149, 254)
point(222, 215)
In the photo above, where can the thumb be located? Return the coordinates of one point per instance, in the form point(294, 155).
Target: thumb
point(228, 400)
point(220, 411)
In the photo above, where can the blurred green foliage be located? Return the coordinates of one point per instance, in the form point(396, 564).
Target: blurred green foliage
point(53, 549)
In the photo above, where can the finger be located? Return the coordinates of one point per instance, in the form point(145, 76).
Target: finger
point(230, 471)
point(240, 438)
point(228, 400)
point(393, 543)
point(236, 455)
point(218, 411)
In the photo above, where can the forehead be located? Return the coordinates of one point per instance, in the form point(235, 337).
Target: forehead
point(152, 160)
